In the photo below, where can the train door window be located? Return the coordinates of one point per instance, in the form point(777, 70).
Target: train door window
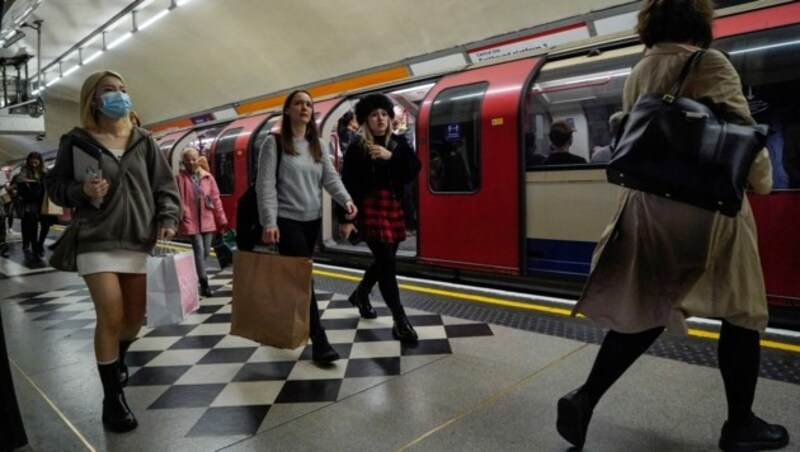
point(165, 146)
point(454, 134)
point(768, 65)
point(224, 165)
point(255, 149)
point(571, 107)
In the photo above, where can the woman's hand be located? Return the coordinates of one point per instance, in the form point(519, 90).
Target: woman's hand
point(166, 233)
point(345, 229)
point(223, 228)
point(270, 235)
point(379, 152)
point(351, 209)
point(95, 188)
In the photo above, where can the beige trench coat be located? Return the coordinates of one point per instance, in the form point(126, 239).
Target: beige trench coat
point(660, 261)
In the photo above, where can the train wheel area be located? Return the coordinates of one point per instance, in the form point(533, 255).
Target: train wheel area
point(487, 372)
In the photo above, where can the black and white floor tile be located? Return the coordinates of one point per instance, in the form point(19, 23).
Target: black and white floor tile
point(198, 364)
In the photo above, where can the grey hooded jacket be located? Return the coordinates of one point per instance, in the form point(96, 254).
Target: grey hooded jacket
point(138, 203)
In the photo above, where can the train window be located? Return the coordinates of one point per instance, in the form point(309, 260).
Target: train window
point(165, 146)
point(454, 134)
point(572, 106)
point(255, 149)
point(770, 71)
point(224, 161)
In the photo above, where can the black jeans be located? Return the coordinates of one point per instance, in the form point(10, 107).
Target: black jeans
point(383, 270)
point(298, 238)
point(32, 233)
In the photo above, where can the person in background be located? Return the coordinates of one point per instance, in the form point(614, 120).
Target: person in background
point(290, 206)
point(346, 128)
point(376, 170)
point(9, 199)
point(561, 139)
point(603, 154)
point(661, 261)
point(202, 212)
point(125, 199)
point(29, 185)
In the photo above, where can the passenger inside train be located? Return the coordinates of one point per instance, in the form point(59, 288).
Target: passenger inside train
point(560, 140)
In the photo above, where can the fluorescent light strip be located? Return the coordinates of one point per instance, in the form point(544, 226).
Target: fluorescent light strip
point(70, 71)
point(182, 2)
point(53, 81)
point(92, 57)
point(153, 19)
point(120, 40)
point(766, 47)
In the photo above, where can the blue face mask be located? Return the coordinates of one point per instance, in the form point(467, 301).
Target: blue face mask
point(115, 104)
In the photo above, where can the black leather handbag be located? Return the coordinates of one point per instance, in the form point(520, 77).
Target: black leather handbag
point(677, 148)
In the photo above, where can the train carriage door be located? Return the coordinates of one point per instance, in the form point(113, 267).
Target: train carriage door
point(469, 197)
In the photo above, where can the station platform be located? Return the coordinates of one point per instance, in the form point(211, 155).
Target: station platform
point(485, 375)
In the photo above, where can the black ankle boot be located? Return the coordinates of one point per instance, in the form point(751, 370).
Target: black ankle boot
point(117, 417)
point(403, 331)
point(574, 413)
point(360, 299)
point(204, 289)
point(321, 350)
point(757, 435)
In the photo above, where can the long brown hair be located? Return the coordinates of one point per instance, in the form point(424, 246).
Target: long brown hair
point(312, 134)
point(684, 21)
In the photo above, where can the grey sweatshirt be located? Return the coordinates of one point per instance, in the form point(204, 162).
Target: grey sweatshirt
point(299, 196)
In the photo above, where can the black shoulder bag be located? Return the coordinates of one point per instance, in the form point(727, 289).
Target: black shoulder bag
point(677, 148)
point(248, 227)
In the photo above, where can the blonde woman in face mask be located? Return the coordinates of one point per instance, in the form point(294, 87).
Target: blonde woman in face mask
point(121, 189)
point(202, 211)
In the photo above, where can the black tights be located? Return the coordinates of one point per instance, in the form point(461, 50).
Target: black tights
point(298, 238)
point(739, 354)
point(384, 271)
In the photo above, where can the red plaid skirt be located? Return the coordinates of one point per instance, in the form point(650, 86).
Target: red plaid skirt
point(382, 218)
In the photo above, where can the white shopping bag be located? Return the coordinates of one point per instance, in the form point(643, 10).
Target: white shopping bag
point(171, 288)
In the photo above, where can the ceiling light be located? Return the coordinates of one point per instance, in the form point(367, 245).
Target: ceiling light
point(52, 81)
point(92, 57)
point(120, 40)
point(153, 20)
point(13, 39)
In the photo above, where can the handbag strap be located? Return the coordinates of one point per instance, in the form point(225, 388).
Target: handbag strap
point(687, 68)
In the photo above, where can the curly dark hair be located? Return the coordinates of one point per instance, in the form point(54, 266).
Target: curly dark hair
point(685, 21)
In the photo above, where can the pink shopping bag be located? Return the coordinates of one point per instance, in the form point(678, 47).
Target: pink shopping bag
point(171, 288)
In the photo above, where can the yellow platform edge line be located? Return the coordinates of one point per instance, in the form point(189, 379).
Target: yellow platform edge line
point(534, 307)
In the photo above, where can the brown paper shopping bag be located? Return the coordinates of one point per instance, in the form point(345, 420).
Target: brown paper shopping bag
point(271, 297)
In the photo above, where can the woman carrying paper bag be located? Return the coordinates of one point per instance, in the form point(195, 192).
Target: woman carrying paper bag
point(290, 205)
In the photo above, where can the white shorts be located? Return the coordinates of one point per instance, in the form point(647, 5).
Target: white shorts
point(116, 261)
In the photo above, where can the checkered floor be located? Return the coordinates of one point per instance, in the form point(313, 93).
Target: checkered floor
point(237, 381)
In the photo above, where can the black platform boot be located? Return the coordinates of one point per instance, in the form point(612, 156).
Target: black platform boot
point(123, 368)
point(574, 413)
point(204, 289)
point(117, 417)
point(402, 329)
point(321, 350)
point(360, 299)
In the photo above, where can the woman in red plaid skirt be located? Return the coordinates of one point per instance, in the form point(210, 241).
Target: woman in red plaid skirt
point(377, 166)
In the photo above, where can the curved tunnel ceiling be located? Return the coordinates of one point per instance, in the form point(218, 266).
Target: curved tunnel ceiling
point(209, 53)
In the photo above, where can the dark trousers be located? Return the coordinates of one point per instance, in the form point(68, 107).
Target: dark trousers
point(12, 432)
point(298, 238)
point(739, 355)
point(35, 228)
point(383, 271)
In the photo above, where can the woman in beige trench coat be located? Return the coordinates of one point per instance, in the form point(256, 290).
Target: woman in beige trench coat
point(660, 261)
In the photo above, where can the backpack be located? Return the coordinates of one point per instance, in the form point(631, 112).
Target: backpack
point(248, 227)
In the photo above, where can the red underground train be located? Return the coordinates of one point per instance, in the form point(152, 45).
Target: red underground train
point(482, 210)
